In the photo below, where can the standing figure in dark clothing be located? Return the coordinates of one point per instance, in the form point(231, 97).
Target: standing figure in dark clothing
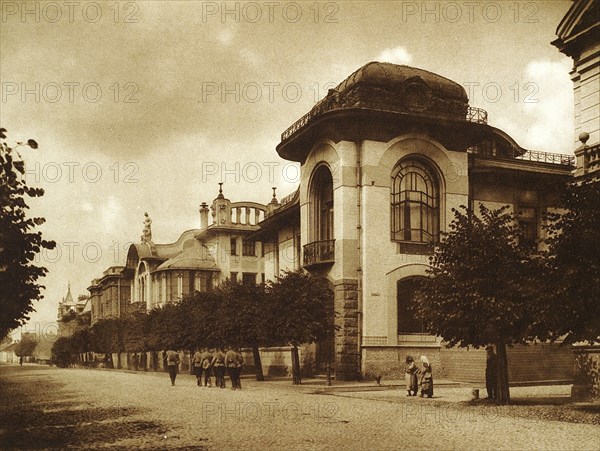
point(426, 378)
point(231, 364)
point(172, 365)
point(491, 373)
point(411, 377)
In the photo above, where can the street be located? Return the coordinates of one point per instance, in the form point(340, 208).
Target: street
point(53, 408)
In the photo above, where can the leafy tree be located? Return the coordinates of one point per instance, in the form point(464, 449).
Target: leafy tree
point(480, 290)
point(106, 337)
point(299, 312)
point(26, 346)
point(63, 352)
point(19, 242)
point(244, 306)
point(574, 265)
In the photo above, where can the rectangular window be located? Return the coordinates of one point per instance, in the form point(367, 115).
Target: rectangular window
point(233, 275)
point(249, 278)
point(233, 245)
point(528, 222)
point(179, 286)
point(203, 281)
point(248, 248)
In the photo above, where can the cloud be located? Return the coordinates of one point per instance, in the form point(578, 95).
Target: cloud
point(546, 95)
point(396, 55)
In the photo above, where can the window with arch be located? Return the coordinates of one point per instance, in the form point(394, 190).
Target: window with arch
point(415, 203)
point(408, 298)
point(322, 200)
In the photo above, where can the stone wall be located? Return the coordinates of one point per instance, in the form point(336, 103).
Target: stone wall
point(532, 363)
point(388, 362)
point(586, 382)
point(346, 337)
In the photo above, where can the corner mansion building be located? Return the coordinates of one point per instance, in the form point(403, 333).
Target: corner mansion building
point(385, 157)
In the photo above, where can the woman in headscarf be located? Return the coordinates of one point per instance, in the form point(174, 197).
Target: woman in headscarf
point(426, 378)
point(410, 375)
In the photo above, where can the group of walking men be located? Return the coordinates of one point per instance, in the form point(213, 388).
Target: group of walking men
point(208, 363)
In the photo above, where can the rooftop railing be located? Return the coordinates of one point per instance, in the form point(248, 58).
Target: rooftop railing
point(548, 157)
point(475, 115)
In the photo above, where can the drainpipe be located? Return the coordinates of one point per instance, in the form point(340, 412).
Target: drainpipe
point(359, 272)
point(118, 298)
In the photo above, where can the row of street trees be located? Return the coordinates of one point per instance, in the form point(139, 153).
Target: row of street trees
point(486, 288)
point(291, 310)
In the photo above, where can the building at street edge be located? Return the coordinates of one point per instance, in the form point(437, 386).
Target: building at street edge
point(385, 157)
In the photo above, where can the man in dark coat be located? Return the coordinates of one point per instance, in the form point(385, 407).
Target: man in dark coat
point(491, 373)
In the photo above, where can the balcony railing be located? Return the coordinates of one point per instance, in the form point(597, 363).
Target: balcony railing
point(547, 157)
point(319, 252)
point(487, 149)
point(476, 115)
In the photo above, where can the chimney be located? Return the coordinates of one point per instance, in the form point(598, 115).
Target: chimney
point(203, 216)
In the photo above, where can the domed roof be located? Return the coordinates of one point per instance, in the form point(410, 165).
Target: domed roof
point(395, 77)
point(196, 257)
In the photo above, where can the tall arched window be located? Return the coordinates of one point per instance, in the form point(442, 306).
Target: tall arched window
point(407, 298)
point(322, 198)
point(415, 203)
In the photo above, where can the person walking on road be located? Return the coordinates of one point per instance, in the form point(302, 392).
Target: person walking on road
point(172, 365)
point(197, 364)
point(218, 364)
point(233, 362)
point(238, 368)
point(207, 366)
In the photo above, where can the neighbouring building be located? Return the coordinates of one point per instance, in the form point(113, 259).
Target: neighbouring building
point(385, 157)
point(110, 295)
point(221, 248)
point(73, 315)
point(579, 38)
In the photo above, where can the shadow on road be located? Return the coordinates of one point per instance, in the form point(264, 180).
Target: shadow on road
point(37, 412)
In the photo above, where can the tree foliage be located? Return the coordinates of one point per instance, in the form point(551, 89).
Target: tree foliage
point(19, 241)
point(293, 309)
point(300, 308)
point(481, 286)
point(572, 291)
point(26, 346)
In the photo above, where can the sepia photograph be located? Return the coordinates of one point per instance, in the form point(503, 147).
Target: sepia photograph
point(305, 225)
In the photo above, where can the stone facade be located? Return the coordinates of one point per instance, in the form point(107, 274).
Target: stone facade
point(347, 351)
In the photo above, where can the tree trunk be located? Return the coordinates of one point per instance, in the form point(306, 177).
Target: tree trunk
point(297, 380)
point(503, 395)
point(191, 363)
point(257, 364)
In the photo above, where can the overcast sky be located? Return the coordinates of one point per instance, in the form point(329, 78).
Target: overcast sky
point(146, 105)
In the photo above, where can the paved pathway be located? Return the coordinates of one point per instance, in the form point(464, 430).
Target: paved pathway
point(95, 409)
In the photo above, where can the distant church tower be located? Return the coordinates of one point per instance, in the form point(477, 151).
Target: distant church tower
point(67, 304)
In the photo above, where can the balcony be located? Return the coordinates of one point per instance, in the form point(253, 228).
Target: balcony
point(319, 253)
